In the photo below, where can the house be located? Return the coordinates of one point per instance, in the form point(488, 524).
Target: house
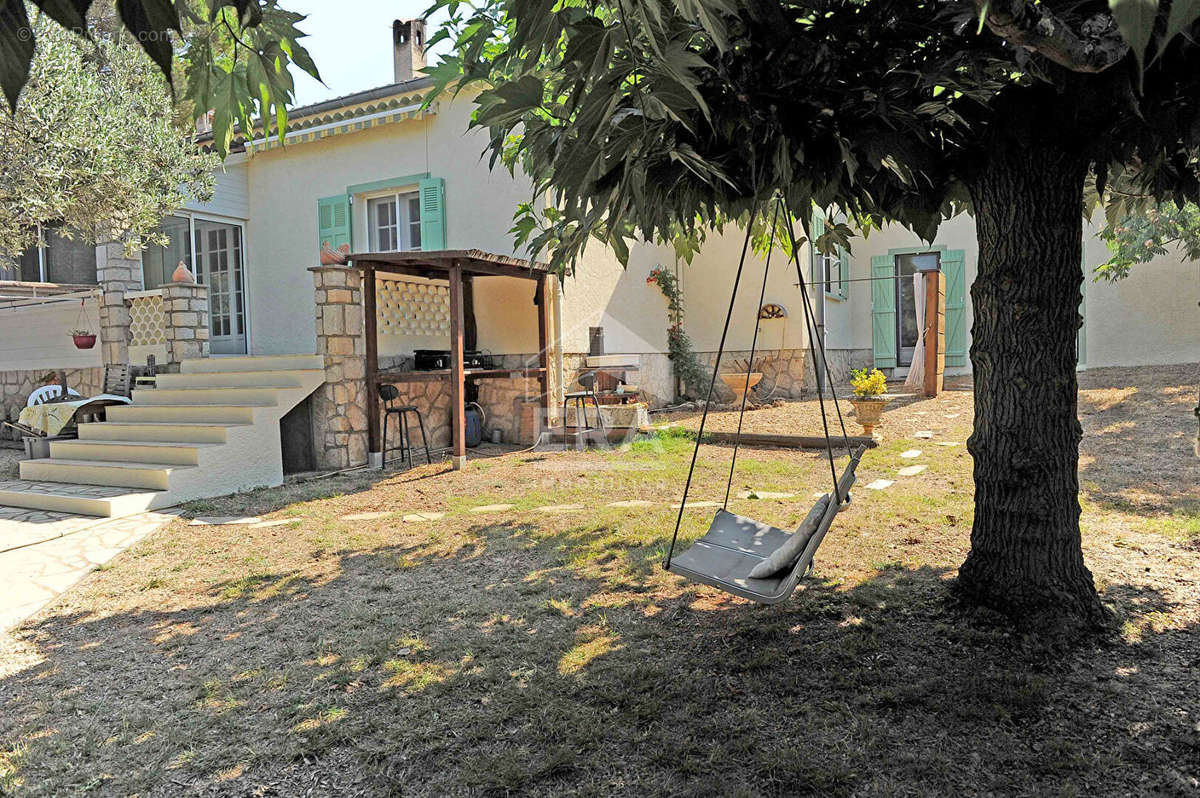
point(378, 171)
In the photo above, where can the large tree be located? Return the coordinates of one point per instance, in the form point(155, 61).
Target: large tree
point(94, 148)
point(644, 117)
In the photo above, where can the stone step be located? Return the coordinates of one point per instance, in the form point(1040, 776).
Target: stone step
point(245, 395)
point(203, 413)
point(148, 476)
point(155, 452)
point(174, 432)
point(209, 365)
point(295, 378)
point(57, 497)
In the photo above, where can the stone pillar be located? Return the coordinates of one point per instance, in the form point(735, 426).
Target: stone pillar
point(339, 407)
point(185, 322)
point(116, 274)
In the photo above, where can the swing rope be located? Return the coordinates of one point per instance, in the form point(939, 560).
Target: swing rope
point(737, 439)
point(737, 278)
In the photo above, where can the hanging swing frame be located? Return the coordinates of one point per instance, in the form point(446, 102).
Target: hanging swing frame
point(734, 545)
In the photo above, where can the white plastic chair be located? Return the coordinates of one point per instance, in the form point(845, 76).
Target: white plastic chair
point(46, 394)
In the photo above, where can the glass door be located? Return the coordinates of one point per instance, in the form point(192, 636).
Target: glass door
point(219, 266)
point(908, 331)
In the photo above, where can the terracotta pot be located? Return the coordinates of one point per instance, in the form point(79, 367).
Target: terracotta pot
point(84, 341)
point(334, 257)
point(740, 385)
point(183, 274)
point(868, 411)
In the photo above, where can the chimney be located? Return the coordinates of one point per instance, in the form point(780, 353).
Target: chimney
point(408, 48)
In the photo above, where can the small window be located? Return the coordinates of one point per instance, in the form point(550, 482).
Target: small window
point(394, 222)
point(58, 259)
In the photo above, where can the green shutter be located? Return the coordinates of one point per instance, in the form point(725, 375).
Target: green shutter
point(433, 213)
point(954, 267)
point(843, 286)
point(883, 311)
point(333, 221)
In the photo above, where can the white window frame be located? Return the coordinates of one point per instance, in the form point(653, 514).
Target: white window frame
point(400, 198)
point(192, 216)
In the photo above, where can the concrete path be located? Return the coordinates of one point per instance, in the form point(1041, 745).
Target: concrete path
point(58, 552)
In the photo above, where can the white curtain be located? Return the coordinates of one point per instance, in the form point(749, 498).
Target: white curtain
point(916, 372)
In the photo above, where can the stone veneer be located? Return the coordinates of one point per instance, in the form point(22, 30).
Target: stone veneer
point(339, 406)
point(116, 275)
point(185, 321)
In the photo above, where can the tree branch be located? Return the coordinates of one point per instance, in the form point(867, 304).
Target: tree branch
point(1095, 47)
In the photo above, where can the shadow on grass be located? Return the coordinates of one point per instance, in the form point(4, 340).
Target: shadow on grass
point(516, 662)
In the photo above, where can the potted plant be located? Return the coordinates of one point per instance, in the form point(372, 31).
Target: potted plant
point(870, 389)
point(83, 339)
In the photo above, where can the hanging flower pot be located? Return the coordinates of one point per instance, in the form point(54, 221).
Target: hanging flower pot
point(83, 339)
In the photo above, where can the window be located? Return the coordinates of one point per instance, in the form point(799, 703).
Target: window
point(830, 269)
point(158, 262)
point(394, 222)
point(58, 259)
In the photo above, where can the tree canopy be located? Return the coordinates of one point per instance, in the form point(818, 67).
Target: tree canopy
point(650, 116)
point(93, 148)
point(236, 54)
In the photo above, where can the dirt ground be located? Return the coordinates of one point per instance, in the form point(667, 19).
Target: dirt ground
point(541, 650)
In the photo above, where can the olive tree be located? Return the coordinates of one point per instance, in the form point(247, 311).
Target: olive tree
point(639, 118)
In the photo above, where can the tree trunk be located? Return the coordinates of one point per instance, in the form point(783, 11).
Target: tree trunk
point(1026, 559)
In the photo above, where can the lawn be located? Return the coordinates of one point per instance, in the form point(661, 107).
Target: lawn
point(536, 652)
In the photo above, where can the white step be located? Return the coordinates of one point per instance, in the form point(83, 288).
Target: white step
point(79, 499)
point(201, 414)
point(295, 378)
point(156, 452)
point(148, 476)
point(181, 432)
point(209, 365)
point(257, 395)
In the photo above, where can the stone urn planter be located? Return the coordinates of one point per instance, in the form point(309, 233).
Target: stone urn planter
point(869, 410)
point(740, 385)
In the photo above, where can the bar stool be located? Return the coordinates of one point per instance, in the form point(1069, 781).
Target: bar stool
point(389, 394)
point(587, 381)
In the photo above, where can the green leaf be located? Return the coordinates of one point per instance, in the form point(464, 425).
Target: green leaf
point(16, 49)
point(151, 23)
point(1184, 14)
point(1135, 20)
point(71, 14)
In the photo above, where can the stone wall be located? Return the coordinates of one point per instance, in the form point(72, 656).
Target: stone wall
point(339, 406)
point(505, 400)
point(841, 363)
point(185, 321)
point(15, 387)
point(432, 399)
point(117, 275)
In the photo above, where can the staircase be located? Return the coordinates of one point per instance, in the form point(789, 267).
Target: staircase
point(211, 430)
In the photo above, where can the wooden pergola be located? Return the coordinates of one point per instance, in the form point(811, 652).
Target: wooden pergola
point(450, 265)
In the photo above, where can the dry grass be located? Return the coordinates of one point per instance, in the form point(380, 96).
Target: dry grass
point(536, 654)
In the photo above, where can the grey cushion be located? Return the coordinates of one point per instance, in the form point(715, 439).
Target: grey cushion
point(784, 557)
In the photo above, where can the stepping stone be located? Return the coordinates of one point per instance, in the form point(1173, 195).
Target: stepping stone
point(697, 505)
point(632, 503)
point(763, 494)
point(880, 484)
point(910, 454)
point(947, 443)
point(365, 516)
point(492, 508)
point(911, 471)
point(412, 517)
point(276, 522)
point(923, 434)
point(223, 520)
point(560, 508)
point(952, 415)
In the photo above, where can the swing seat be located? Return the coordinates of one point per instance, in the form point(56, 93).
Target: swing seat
point(734, 545)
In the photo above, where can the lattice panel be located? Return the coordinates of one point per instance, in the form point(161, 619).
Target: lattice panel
point(146, 322)
point(416, 309)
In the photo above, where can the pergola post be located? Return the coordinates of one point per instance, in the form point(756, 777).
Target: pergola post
point(370, 332)
point(457, 384)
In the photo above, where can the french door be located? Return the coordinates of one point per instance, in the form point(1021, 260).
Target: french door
point(908, 327)
point(220, 265)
